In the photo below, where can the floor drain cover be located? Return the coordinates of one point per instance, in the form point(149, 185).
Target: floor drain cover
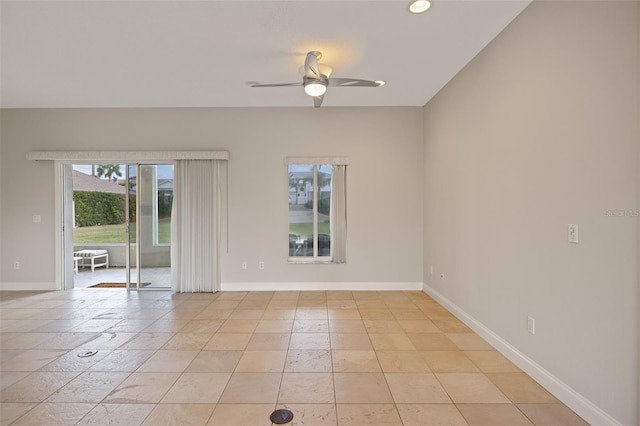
point(86, 354)
point(281, 417)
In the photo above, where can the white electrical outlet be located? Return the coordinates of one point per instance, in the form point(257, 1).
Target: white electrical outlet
point(261, 265)
point(16, 265)
point(36, 218)
point(572, 233)
point(531, 325)
point(245, 265)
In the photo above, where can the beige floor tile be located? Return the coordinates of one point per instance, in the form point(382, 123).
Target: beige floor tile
point(412, 314)
point(31, 360)
point(142, 388)
point(11, 411)
point(521, 388)
point(36, 387)
point(88, 387)
point(341, 304)
point(117, 414)
point(122, 360)
point(246, 314)
point(311, 313)
point(166, 326)
point(274, 326)
point(214, 362)
point(449, 362)
point(187, 342)
point(491, 362)
point(312, 414)
point(214, 314)
point(361, 388)
point(228, 342)
point(7, 378)
point(418, 326)
point(108, 340)
point(339, 295)
point(416, 388)
point(355, 362)
point(376, 314)
point(316, 341)
point(432, 342)
point(282, 304)
point(252, 388)
point(239, 326)
point(382, 326)
point(55, 414)
point(262, 362)
point(450, 325)
point(147, 341)
point(391, 342)
point(23, 340)
point(198, 388)
point(494, 414)
point(269, 341)
point(311, 326)
point(281, 314)
point(469, 342)
point(241, 415)
point(551, 414)
point(339, 313)
point(471, 388)
point(179, 414)
point(430, 415)
point(351, 341)
point(308, 361)
point(402, 362)
point(286, 295)
point(202, 326)
point(308, 388)
point(131, 326)
point(346, 326)
point(368, 415)
point(168, 362)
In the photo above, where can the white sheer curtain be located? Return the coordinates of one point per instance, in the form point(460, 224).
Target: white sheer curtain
point(196, 232)
point(339, 214)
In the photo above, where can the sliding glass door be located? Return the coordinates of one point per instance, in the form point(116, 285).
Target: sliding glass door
point(150, 198)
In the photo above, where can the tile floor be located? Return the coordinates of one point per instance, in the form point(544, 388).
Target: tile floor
point(333, 358)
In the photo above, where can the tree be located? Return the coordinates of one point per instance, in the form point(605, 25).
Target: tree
point(108, 170)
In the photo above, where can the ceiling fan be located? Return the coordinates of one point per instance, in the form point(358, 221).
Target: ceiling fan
point(315, 79)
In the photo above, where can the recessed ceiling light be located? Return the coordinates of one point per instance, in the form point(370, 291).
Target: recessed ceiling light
point(419, 6)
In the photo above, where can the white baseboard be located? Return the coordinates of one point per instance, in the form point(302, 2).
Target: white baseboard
point(42, 286)
point(321, 286)
point(572, 399)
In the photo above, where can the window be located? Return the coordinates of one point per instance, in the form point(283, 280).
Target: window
point(317, 210)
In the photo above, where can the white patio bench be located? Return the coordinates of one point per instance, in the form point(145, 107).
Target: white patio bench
point(90, 258)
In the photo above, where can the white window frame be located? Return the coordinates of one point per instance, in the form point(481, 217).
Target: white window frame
point(315, 162)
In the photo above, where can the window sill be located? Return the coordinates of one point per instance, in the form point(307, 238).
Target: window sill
point(308, 260)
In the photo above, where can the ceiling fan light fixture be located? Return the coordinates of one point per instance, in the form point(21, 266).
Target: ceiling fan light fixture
point(380, 83)
point(419, 6)
point(315, 88)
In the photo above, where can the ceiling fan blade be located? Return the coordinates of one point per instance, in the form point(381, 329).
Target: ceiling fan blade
point(254, 84)
point(317, 101)
point(311, 68)
point(353, 82)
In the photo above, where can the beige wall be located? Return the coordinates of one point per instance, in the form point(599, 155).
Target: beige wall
point(384, 146)
point(541, 130)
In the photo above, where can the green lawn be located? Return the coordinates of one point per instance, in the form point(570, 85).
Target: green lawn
point(306, 229)
point(116, 233)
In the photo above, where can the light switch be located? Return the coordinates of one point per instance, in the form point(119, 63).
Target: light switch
point(37, 218)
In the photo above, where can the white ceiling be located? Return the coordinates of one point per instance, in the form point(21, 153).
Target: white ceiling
point(155, 53)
